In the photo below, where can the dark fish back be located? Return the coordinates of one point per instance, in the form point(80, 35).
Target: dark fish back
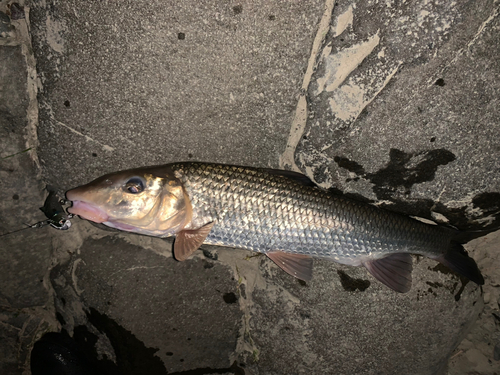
point(261, 211)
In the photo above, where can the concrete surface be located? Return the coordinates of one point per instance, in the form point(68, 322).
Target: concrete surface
point(225, 91)
point(393, 102)
point(403, 109)
point(185, 320)
point(478, 352)
point(26, 306)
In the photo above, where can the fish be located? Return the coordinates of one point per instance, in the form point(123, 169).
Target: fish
point(281, 214)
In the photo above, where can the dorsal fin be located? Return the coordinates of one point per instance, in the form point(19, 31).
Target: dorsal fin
point(188, 241)
point(295, 176)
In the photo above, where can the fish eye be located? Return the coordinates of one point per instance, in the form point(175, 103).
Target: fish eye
point(134, 185)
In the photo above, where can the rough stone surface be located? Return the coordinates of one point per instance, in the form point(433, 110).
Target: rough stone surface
point(25, 256)
point(478, 352)
point(204, 81)
point(322, 327)
point(180, 311)
point(401, 109)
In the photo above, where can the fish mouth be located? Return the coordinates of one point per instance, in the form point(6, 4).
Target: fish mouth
point(87, 211)
point(120, 226)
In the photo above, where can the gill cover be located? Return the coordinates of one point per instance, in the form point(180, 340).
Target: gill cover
point(175, 210)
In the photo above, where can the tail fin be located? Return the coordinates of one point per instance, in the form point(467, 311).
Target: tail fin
point(457, 260)
point(469, 235)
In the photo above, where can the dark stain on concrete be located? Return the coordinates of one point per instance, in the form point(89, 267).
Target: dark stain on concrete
point(16, 12)
point(440, 82)
point(210, 254)
point(132, 356)
point(443, 269)
point(434, 285)
point(488, 202)
point(459, 218)
point(301, 282)
point(403, 170)
point(230, 297)
point(234, 369)
point(351, 284)
point(60, 318)
point(60, 353)
point(320, 175)
point(237, 9)
point(463, 280)
point(407, 169)
point(350, 165)
point(207, 265)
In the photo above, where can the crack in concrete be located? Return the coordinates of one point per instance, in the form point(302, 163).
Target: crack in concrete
point(135, 268)
point(287, 159)
point(20, 36)
point(10, 326)
point(386, 82)
point(74, 278)
point(465, 49)
point(104, 146)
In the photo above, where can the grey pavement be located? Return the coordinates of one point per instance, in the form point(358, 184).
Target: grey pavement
point(395, 103)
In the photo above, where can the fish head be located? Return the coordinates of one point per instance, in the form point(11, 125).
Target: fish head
point(150, 200)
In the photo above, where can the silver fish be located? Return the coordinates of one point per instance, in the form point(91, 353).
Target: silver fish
point(279, 213)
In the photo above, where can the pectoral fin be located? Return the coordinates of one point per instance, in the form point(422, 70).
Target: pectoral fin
point(188, 241)
point(393, 270)
point(297, 265)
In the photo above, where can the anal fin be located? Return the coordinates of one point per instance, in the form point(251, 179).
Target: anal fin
point(188, 241)
point(393, 270)
point(297, 265)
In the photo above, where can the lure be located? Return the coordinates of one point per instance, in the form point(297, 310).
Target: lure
point(54, 210)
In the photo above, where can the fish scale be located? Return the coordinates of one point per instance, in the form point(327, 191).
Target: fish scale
point(273, 212)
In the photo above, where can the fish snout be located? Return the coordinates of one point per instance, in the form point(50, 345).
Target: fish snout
point(77, 194)
point(83, 208)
